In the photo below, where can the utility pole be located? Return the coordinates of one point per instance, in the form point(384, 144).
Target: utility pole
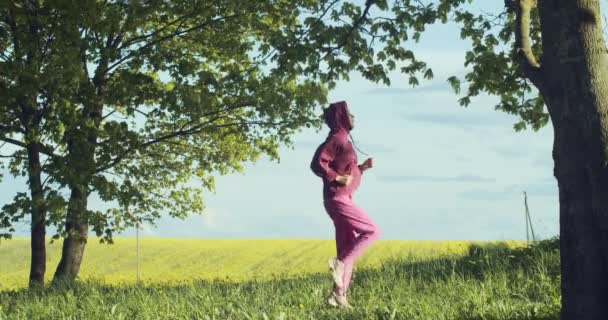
point(137, 248)
point(136, 245)
point(529, 227)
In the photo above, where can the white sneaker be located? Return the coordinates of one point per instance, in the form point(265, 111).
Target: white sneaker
point(338, 301)
point(336, 267)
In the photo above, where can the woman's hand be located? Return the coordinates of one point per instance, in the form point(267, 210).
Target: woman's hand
point(344, 180)
point(367, 164)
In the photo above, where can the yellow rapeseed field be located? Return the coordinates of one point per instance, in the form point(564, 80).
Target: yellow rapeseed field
point(164, 260)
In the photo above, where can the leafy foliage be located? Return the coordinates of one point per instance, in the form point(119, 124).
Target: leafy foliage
point(494, 69)
point(142, 102)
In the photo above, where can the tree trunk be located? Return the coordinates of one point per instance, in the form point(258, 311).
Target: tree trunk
point(27, 57)
point(38, 211)
point(77, 234)
point(575, 89)
point(82, 148)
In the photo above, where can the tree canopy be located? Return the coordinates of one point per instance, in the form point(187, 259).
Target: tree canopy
point(136, 100)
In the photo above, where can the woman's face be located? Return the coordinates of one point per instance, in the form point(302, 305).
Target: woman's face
point(351, 120)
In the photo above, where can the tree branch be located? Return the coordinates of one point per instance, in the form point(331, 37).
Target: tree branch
point(355, 26)
point(13, 157)
point(214, 113)
point(319, 19)
point(180, 133)
point(35, 27)
point(199, 129)
point(167, 37)
point(43, 149)
point(134, 40)
point(523, 43)
point(83, 54)
point(11, 128)
point(10, 20)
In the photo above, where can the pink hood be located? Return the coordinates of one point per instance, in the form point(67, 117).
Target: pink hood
point(336, 117)
point(336, 155)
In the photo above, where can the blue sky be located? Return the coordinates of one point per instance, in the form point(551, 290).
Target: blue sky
point(441, 171)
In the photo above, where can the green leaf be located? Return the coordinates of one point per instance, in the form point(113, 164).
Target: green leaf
point(428, 74)
point(455, 84)
point(413, 81)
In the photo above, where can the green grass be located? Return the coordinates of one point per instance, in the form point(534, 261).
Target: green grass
point(164, 261)
point(476, 281)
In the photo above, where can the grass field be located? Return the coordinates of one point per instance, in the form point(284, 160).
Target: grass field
point(287, 279)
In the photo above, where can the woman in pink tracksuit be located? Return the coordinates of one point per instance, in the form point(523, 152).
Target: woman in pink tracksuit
point(335, 161)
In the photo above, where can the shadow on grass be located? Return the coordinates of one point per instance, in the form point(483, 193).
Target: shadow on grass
point(481, 261)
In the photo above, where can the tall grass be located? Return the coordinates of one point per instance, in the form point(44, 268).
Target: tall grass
point(485, 281)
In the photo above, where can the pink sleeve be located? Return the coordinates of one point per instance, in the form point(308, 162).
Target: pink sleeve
point(323, 157)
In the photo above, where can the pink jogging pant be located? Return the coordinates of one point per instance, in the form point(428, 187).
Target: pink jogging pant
point(354, 232)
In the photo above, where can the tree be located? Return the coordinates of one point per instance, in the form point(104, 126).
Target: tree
point(140, 102)
point(570, 80)
point(546, 60)
point(131, 44)
point(32, 63)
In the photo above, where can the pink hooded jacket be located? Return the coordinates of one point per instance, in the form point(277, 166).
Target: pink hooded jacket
point(336, 155)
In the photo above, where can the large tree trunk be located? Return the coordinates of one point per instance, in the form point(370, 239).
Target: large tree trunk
point(82, 148)
point(574, 84)
point(76, 239)
point(38, 211)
